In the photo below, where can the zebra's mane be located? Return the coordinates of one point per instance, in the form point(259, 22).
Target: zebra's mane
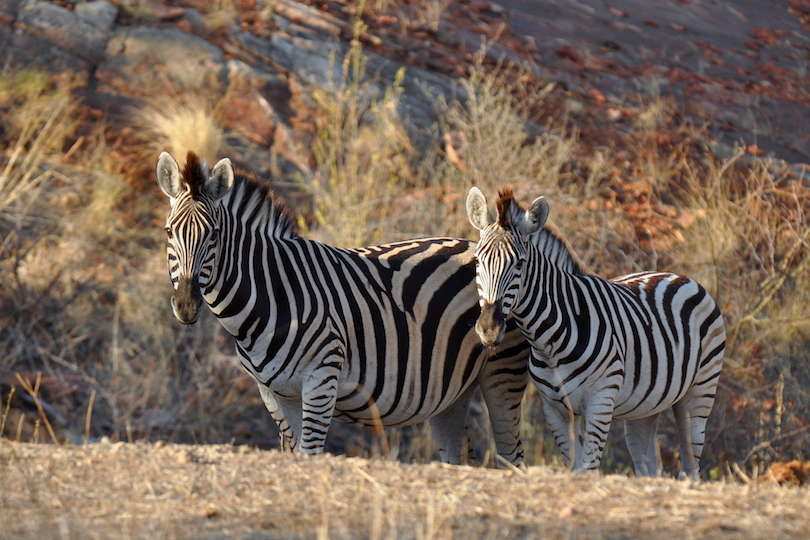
point(556, 250)
point(194, 174)
point(247, 188)
point(279, 216)
point(549, 243)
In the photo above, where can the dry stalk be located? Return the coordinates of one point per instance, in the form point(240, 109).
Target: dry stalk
point(34, 393)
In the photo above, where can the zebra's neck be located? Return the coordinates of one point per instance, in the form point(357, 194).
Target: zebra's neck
point(250, 218)
point(549, 271)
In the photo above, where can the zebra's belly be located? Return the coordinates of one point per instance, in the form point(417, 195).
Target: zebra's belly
point(649, 397)
point(631, 400)
point(391, 408)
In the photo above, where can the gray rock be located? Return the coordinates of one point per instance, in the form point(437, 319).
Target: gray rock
point(99, 13)
point(20, 49)
point(9, 10)
point(63, 28)
point(153, 61)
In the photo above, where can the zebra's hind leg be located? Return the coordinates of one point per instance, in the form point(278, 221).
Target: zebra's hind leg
point(449, 430)
point(285, 432)
point(691, 414)
point(641, 435)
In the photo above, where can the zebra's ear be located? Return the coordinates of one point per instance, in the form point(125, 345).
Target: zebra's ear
point(536, 216)
point(477, 211)
point(168, 175)
point(221, 179)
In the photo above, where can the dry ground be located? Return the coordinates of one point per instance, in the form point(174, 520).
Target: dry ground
point(177, 491)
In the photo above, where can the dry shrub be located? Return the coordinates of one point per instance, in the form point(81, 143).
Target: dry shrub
point(361, 152)
point(84, 301)
point(749, 245)
point(178, 125)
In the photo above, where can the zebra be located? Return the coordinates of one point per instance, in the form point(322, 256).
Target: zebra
point(626, 348)
point(378, 336)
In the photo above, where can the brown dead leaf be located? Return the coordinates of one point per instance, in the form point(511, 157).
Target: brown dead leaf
point(793, 473)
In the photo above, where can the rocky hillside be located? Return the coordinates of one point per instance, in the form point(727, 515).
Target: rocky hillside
point(737, 66)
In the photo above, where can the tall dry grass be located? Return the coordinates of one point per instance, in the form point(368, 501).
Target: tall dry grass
point(84, 301)
point(362, 154)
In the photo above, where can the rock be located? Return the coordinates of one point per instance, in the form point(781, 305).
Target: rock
point(9, 10)
point(99, 13)
point(63, 28)
point(20, 49)
point(142, 61)
point(247, 107)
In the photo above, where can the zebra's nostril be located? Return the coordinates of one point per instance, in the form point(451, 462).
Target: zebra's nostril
point(490, 325)
point(187, 300)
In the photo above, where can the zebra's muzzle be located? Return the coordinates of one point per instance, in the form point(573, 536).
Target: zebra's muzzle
point(491, 326)
point(187, 300)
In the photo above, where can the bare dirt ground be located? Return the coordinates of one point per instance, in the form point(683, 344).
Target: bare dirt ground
point(143, 490)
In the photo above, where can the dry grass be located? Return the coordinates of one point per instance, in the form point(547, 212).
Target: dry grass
point(362, 155)
point(183, 124)
point(174, 491)
point(413, 15)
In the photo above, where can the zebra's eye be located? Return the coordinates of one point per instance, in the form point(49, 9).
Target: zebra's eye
point(169, 232)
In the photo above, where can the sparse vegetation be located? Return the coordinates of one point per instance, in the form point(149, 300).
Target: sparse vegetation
point(362, 155)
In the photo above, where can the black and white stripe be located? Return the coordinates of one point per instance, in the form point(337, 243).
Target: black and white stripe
point(380, 335)
point(625, 348)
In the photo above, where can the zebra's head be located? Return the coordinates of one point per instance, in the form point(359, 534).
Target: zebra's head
point(192, 225)
point(500, 255)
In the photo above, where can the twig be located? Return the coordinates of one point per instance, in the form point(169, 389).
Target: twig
point(33, 392)
point(744, 477)
point(89, 416)
point(5, 413)
point(766, 444)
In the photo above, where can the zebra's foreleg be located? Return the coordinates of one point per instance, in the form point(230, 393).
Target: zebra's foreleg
point(503, 385)
point(285, 432)
point(450, 432)
point(318, 400)
point(597, 417)
point(641, 435)
point(564, 426)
